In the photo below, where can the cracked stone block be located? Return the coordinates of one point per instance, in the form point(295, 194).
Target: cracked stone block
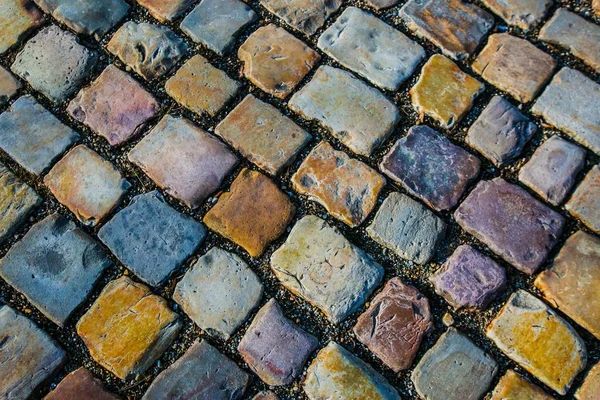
point(407, 227)
point(319, 264)
point(394, 324)
point(151, 238)
point(444, 92)
point(338, 374)
point(166, 10)
point(86, 184)
point(29, 356)
point(511, 222)
point(17, 201)
point(371, 48)
point(266, 396)
point(275, 61)
point(17, 17)
point(525, 14)
point(80, 384)
point(262, 134)
point(127, 328)
point(346, 187)
point(584, 204)
point(454, 369)
point(431, 167)
point(514, 386)
point(201, 88)
point(201, 373)
point(356, 114)
point(541, 342)
point(456, 27)
point(381, 4)
point(274, 347)
point(54, 63)
point(150, 50)
point(184, 160)
point(115, 106)
point(591, 385)
point(307, 16)
point(9, 86)
point(501, 132)
point(217, 23)
point(219, 292)
point(32, 136)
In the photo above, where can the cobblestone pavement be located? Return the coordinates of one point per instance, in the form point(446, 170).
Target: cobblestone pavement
point(322, 199)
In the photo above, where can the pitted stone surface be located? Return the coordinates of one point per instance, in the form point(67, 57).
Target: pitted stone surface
point(306, 16)
point(166, 10)
point(17, 201)
point(513, 386)
point(584, 204)
point(525, 14)
point(17, 17)
point(80, 384)
point(591, 385)
point(9, 85)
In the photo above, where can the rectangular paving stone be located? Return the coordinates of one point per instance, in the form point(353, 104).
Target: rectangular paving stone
point(166, 10)
point(591, 385)
point(127, 328)
point(511, 222)
point(80, 384)
point(514, 386)
point(9, 86)
point(371, 48)
point(358, 115)
point(346, 187)
point(17, 201)
point(319, 264)
point(17, 17)
point(307, 16)
point(525, 14)
point(584, 204)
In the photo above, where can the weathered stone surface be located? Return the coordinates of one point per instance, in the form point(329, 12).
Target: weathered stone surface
point(454, 369)
point(151, 238)
point(32, 136)
point(216, 23)
point(511, 222)
point(253, 213)
point(274, 347)
point(501, 132)
point(358, 115)
point(469, 279)
point(346, 187)
point(407, 227)
point(9, 85)
point(17, 200)
point(186, 161)
point(150, 50)
point(552, 169)
point(17, 17)
point(166, 10)
point(444, 92)
point(371, 48)
point(338, 374)
point(219, 292)
point(535, 337)
point(115, 106)
point(394, 324)
point(265, 396)
point(596, 6)
point(431, 167)
point(455, 26)
point(381, 4)
point(591, 385)
point(513, 386)
point(80, 384)
point(584, 204)
point(200, 87)
point(275, 61)
point(320, 265)
point(54, 63)
point(202, 373)
point(87, 184)
point(262, 134)
point(306, 16)
point(525, 14)
point(29, 357)
point(127, 328)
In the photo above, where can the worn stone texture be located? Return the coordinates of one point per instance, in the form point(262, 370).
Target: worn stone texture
point(166, 10)
point(319, 264)
point(266, 396)
point(381, 4)
point(307, 16)
point(513, 386)
point(591, 385)
point(346, 187)
point(17, 201)
point(584, 204)
point(9, 86)
point(371, 48)
point(596, 6)
point(17, 17)
point(358, 115)
point(525, 14)
point(80, 384)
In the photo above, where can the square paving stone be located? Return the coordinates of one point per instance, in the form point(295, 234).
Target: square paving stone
point(407, 227)
point(431, 167)
point(262, 134)
point(319, 264)
point(9, 85)
point(306, 16)
point(275, 61)
point(201, 373)
point(189, 163)
point(511, 222)
point(274, 347)
point(454, 369)
point(584, 204)
point(525, 14)
point(371, 48)
point(29, 356)
point(17, 17)
point(115, 106)
point(514, 386)
point(86, 184)
point(55, 265)
point(32, 136)
point(54, 63)
point(166, 10)
point(151, 238)
point(591, 385)
point(346, 187)
point(219, 292)
point(514, 65)
point(356, 114)
point(80, 384)
point(540, 341)
point(17, 201)
point(216, 23)
point(444, 92)
point(127, 328)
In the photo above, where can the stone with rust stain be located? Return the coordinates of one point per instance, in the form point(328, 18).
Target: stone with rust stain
point(525, 14)
point(17, 17)
point(596, 6)
point(306, 16)
point(80, 384)
point(584, 204)
point(9, 85)
point(591, 385)
point(166, 10)
point(513, 386)
point(17, 201)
